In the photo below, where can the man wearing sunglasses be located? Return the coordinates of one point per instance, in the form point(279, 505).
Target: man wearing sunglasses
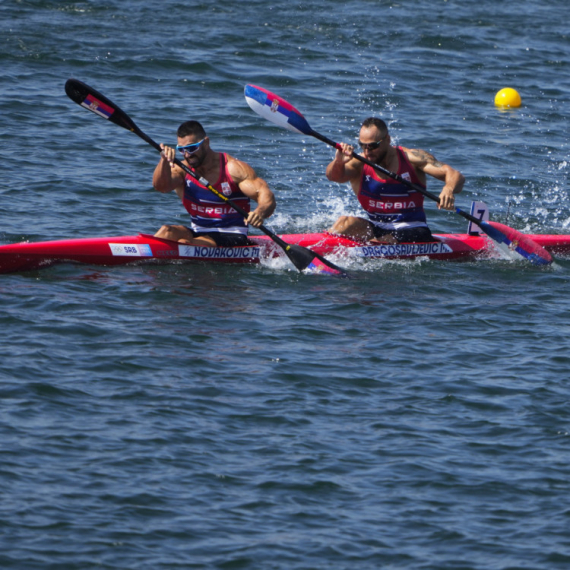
point(395, 211)
point(212, 220)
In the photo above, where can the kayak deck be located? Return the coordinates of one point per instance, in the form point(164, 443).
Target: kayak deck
point(145, 248)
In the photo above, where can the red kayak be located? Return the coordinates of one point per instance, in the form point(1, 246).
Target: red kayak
point(144, 248)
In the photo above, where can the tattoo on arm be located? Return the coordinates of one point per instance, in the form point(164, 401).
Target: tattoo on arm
point(427, 157)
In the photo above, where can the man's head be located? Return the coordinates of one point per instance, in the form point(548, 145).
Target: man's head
point(189, 128)
point(374, 139)
point(192, 143)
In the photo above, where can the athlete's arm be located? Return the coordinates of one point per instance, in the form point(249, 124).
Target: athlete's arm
point(344, 168)
point(453, 179)
point(167, 176)
point(253, 187)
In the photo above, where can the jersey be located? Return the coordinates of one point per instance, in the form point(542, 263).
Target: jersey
point(391, 205)
point(209, 213)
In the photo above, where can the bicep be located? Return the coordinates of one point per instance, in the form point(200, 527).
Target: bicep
point(255, 188)
point(352, 172)
point(426, 162)
point(179, 180)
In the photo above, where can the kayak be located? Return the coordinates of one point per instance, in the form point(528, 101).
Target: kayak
point(145, 248)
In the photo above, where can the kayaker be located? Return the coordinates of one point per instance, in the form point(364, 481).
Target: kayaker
point(212, 221)
point(395, 211)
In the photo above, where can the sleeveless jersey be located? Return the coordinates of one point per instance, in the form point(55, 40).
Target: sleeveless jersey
point(391, 205)
point(209, 213)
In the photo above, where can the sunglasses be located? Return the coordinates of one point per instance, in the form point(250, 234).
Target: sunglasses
point(370, 146)
point(189, 148)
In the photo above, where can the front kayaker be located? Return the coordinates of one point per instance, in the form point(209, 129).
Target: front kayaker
point(395, 211)
point(212, 221)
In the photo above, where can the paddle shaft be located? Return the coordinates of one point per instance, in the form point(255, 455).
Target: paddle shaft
point(393, 175)
point(81, 93)
point(278, 111)
point(301, 257)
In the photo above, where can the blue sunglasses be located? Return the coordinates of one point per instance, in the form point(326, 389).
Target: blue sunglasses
point(189, 148)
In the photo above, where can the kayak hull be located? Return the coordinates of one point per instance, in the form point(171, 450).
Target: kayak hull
point(145, 248)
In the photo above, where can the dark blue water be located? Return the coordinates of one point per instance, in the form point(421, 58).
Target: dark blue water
point(186, 416)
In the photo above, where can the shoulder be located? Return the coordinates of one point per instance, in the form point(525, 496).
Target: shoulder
point(238, 169)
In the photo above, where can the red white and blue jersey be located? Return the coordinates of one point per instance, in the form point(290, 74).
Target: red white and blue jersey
point(209, 213)
point(391, 205)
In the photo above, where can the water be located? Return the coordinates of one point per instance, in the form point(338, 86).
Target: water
point(251, 417)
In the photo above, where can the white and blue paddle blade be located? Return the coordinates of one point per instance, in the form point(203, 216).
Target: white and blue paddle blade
point(275, 109)
point(515, 244)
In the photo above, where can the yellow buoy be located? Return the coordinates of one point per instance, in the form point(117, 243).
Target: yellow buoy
point(508, 97)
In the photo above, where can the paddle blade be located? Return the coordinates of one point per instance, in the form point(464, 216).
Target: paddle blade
point(96, 102)
point(303, 258)
point(514, 242)
point(276, 110)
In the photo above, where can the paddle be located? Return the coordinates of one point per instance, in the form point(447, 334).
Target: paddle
point(278, 111)
point(301, 257)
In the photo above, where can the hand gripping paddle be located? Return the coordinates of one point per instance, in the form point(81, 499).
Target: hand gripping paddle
point(278, 111)
point(301, 257)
